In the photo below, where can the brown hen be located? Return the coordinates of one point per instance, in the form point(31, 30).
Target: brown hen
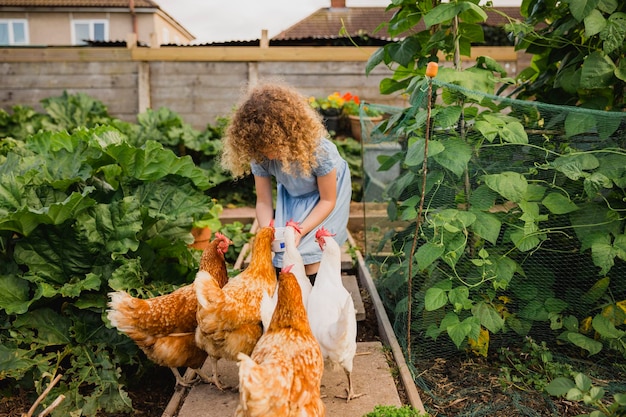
point(229, 319)
point(282, 378)
point(164, 327)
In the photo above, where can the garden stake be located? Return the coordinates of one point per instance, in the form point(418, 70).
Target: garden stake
point(431, 72)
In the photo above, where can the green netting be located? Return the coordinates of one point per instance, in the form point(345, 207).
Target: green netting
point(521, 238)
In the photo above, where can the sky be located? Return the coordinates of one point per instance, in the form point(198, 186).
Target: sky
point(239, 20)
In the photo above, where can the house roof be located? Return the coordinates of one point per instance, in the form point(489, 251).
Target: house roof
point(359, 21)
point(79, 3)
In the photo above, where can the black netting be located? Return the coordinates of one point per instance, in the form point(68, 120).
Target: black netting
point(521, 236)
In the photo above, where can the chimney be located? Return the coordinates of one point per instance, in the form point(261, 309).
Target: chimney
point(338, 4)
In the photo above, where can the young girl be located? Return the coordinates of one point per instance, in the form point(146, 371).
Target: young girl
point(276, 133)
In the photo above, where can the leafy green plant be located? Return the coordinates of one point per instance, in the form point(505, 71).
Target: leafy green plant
point(533, 367)
point(486, 188)
point(582, 389)
point(81, 214)
point(394, 411)
point(578, 58)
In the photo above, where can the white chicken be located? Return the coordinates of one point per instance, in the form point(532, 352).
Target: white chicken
point(331, 311)
point(292, 258)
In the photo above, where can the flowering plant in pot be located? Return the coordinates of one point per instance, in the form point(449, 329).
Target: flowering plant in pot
point(331, 105)
point(331, 109)
point(352, 105)
point(352, 109)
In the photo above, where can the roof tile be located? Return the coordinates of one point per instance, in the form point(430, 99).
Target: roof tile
point(358, 21)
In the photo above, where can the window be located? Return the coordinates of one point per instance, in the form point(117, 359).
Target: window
point(89, 30)
point(13, 32)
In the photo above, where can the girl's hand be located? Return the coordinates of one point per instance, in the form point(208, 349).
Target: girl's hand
point(298, 236)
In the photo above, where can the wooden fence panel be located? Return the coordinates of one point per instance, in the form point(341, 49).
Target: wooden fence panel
point(198, 83)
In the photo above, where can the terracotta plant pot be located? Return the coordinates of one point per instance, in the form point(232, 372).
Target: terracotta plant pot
point(355, 125)
point(202, 236)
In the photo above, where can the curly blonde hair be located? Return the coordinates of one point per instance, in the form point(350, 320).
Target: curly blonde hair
point(273, 119)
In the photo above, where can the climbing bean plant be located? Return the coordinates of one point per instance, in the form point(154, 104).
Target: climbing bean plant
point(523, 220)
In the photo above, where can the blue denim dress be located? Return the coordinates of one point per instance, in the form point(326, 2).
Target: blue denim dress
point(297, 195)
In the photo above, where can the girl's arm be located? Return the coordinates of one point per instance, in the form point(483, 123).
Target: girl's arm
point(264, 201)
point(327, 186)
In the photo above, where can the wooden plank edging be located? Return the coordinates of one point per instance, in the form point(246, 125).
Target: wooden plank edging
point(386, 331)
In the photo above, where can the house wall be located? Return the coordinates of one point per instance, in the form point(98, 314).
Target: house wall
point(198, 83)
point(54, 28)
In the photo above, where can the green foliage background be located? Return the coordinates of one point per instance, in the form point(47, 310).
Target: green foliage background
point(91, 204)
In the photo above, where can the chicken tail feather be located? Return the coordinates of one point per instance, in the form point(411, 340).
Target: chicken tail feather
point(120, 310)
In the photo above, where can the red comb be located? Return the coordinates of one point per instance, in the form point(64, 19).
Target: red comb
point(295, 225)
point(321, 232)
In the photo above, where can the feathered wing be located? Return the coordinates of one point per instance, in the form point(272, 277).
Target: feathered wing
point(343, 332)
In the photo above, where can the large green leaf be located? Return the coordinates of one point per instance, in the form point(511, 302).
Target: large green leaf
point(427, 254)
point(415, 153)
point(403, 52)
point(560, 386)
point(443, 12)
point(460, 330)
point(613, 34)
point(25, 220)
point(557, 203)
point(153, 162)
point(510, 185)
point(577, 123)
point(15, 295)
point(574, 165)
point(50, 328)
point(455, 155)
point(597, 71)
point(581, 8)
point(15, 362)
point(487, 226)
point(584, 342)
point(436, 296)
point(55, 255)
point(488, 316)
point(175, 206)
point(606, 328)
point(594, 23)
point(113, 226)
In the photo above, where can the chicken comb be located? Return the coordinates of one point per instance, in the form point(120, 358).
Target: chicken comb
point(323, 232)
point(220, 236)
point(295, 225)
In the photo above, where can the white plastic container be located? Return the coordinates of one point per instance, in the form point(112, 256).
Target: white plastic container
point(278, 244)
